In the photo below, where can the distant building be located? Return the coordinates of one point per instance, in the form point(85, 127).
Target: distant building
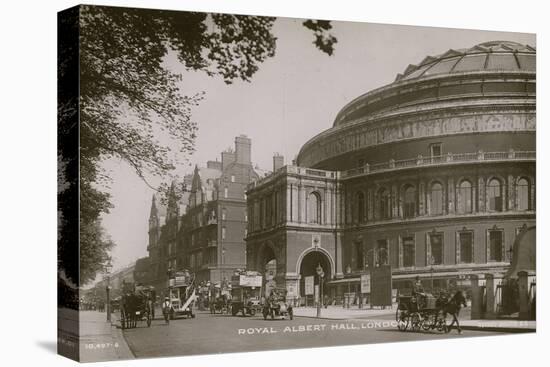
point(433, 174)
point(141, 271)
point(204, 230)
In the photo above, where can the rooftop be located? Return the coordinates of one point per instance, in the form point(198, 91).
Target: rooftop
point(494, 55)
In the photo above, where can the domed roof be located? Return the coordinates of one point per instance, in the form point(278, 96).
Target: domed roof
point(488, 56)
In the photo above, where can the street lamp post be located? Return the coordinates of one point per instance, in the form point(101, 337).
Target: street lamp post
point(321, 274)
point(108, 290)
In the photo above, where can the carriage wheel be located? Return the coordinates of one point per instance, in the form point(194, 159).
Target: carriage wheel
point(428, 322)
point(442, 322)
point(402, 319)
point(416, 321)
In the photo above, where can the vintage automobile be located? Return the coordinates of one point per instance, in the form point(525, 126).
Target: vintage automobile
point(276, 305)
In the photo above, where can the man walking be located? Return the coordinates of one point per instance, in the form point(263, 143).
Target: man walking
point(166, 309)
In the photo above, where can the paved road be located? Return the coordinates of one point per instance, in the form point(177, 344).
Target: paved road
point(208, 334)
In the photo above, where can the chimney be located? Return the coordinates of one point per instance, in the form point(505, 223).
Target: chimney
point(278, 162)
point(214, 164)
point(242, 149)
point(228, 157)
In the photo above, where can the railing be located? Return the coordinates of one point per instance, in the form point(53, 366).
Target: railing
point(448, 158)
point(317, 173)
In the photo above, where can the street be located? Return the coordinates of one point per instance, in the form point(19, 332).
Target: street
point(208, 333)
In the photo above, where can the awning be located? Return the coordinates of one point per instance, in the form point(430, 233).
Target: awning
point(344, 281)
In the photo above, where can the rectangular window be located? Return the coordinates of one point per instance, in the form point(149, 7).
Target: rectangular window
point(223, 213)
point(495, 245)
point(232, 178)
point(435, 150)
point(466, 244)
point(408, 252)
point(225, 192)
point(223, 233)
point(436, 249)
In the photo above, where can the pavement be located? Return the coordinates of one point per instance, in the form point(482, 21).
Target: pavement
point(388, 314)
point(88, 337)
point(215, 333)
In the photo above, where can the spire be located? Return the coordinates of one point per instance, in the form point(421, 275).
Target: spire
point(172, 207)
point(154, 210)
point(153, 215)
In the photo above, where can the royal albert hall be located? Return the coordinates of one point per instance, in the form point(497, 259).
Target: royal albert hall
point(433, 174)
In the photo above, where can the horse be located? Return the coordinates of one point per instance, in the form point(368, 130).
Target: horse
point(452, 307)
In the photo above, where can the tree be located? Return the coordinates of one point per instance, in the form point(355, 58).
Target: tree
point(128, 99)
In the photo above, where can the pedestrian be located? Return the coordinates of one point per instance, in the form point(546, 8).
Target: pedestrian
point(167, 309)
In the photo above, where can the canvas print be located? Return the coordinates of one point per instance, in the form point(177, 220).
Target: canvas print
point(233, 183)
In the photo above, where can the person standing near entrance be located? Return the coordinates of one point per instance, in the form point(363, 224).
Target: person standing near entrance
point(166, 309)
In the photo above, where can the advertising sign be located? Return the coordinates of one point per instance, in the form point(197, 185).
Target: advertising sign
point(180, 280)
point(250, 280)
point(309, 285)
point(365, 283)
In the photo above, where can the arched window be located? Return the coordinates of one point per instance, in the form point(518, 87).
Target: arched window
point(314, 208)
point(360, 202)
point(494, 195)
point(384, 204)
point(436, 199)
point(522, 194)
point(409, 202)
point(465, 197)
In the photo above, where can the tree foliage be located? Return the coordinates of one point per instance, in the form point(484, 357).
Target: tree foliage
point(324, 40)
point(129, 99)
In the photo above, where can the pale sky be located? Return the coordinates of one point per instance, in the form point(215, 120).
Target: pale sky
point(293, 96)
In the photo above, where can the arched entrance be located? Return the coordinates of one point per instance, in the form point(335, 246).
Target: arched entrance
point(308, 267)
point(267, 266)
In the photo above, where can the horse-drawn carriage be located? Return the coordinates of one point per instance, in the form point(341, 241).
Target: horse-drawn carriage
point(423, 311)
point(136, 306)
point(220, 304)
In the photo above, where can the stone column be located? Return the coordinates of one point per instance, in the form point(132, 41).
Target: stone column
point(492, 282)
point(481, 194)
point(510, 194)
point(451, 197)
point(421, 198)
point(523, 285)
point(326, 206)
point(301, 204)
point(394, 201)
point(477, 298)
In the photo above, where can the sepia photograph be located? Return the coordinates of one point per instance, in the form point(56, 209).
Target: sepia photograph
point(236, 183)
